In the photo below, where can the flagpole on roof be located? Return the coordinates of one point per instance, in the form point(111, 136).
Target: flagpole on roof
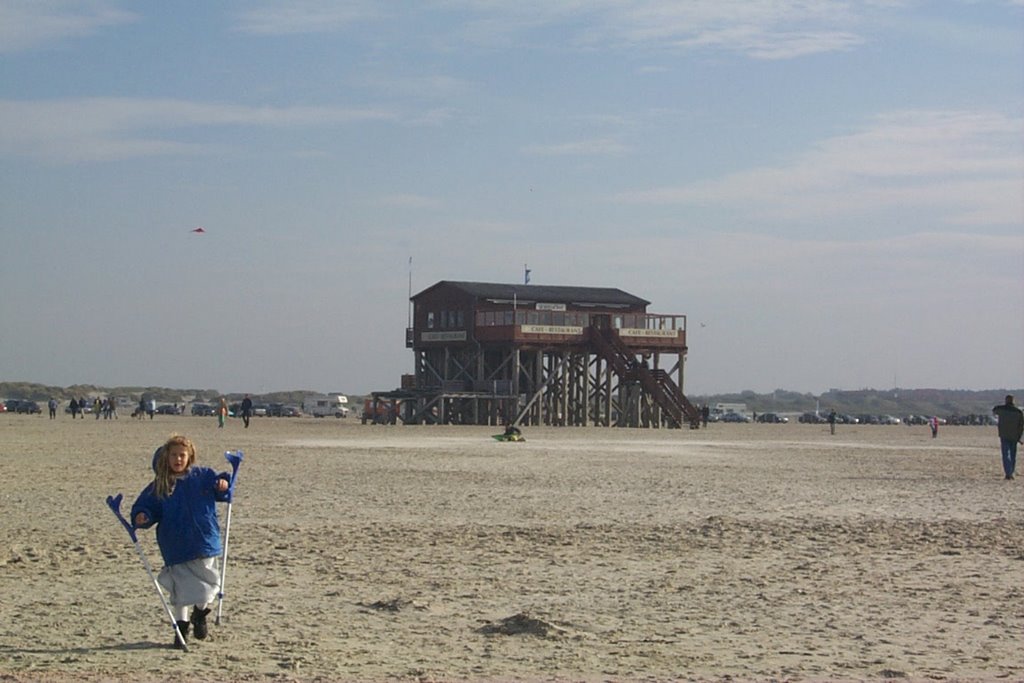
point(410, 293)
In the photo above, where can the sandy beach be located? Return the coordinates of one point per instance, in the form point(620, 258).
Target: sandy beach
point(371, 553)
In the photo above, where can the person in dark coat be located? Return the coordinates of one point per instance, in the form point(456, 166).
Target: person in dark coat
point(1011, 429)
point(246, 410)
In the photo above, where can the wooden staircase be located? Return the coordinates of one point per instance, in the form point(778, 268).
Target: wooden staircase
point(656, 383)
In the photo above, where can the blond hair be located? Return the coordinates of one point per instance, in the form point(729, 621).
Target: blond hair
point(163, 483)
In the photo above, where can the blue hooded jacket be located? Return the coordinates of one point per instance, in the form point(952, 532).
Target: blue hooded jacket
point(187, 527)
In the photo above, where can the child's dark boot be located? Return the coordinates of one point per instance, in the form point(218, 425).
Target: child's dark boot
point(183, 627)
point(199, 622)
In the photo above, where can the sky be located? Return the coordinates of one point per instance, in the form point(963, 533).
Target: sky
point(832, 191)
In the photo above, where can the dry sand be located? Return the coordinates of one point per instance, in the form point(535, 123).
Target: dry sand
point(369, 553)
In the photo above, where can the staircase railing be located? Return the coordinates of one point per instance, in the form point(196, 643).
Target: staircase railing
point(657, 383)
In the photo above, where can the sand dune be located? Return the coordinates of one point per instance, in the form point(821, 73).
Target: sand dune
point(368, 553)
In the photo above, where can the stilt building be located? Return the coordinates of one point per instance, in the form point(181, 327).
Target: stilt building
point(493, 354)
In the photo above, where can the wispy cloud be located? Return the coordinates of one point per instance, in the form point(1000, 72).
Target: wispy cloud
point(597, 147)
point(106, 129)
point(911, 268)
point(968, 164)
point(305, 16)
point(760, 43)
point(761, 29)
point(429, 86)
point(26, 24)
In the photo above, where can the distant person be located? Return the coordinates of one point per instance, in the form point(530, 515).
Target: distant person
point(246, 410)
point(151, 408)
point(705, 413)
point(52, 405)
point(222, 413)
point(933, 422)
point(74, 408)
point(832, 420)
point(1011, 429)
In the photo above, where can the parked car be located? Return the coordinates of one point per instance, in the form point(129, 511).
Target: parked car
point(812, 418)
point(30, 407)
point(772, 418)
point(168, 409)
point(735, 417)
point(203, 410)
point(282, 410)
point(17, 405)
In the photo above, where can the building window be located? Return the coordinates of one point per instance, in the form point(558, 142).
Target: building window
point(430, 320)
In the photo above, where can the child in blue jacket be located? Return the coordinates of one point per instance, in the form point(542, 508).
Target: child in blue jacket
point(181, 502)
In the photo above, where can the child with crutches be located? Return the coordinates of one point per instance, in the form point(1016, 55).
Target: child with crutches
point(181, 502)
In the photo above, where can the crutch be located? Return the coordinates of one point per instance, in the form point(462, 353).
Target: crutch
point(235, 459)
point(115, 505)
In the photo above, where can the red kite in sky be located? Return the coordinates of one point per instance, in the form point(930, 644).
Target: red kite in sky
point(199, 230)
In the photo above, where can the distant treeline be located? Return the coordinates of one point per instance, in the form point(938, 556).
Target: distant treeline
point(896, 402)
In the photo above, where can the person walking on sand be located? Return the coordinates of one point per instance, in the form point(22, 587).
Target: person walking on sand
point(933, 422)
point(1011, 429)
point(52, 405)
point(181, 502)
point(222, 412)
point(246, 410)
point(832, 420)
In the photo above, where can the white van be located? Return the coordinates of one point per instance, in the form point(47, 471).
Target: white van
point(325, 405)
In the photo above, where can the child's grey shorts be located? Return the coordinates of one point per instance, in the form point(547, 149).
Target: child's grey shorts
point(195, 582)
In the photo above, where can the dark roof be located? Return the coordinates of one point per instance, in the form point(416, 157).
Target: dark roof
point(593, 296)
